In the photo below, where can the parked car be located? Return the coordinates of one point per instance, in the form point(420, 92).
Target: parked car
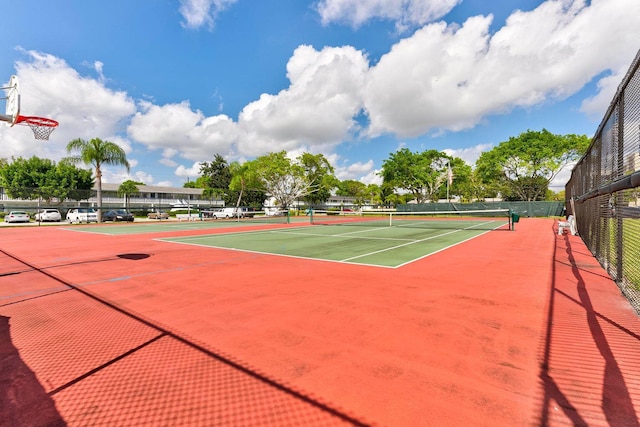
point(17, 216)
point(208, 213)
point(227, 213)
point(158, 215)
point(117, 215)
point(79, 215)
point(48, 215)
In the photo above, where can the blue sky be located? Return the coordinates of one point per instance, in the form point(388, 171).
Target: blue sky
point(175, 82)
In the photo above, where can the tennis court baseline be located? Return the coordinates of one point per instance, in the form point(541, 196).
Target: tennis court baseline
point(375, 245)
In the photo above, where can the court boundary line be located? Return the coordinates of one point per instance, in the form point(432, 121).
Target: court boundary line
point(445, 248)
point(402, 245)
point(428, 238)
point(249, 251)
point(345, 235)
point(343, 261)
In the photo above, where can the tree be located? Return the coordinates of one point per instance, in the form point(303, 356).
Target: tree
point(474, 189)
point(523, 166)
point(321, 177)
point(374, 192)
point(200, 182)
point(97, 153)
point(127, 189)
point(356, 189)
point(246, 188)
point(351, 188)
point(216, 174)
point(388, 196)
point(280, 177)
point(422, 174)
point(37, 178)
point(75, 182)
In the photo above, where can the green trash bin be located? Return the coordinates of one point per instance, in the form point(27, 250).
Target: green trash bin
point(514, 218)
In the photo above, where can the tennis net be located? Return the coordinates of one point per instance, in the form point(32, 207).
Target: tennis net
point(486, 219)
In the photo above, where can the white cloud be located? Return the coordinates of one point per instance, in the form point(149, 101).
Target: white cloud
point(176, 129)
point(109, 175)
point(372, 177)
point(143, 177)
point(168, 162)
point(353, 170)
point(405, 13)
point(317, 109)
point(184, 171)
point(198, 13)
point(597, 105)
point(449, 77)
point(469, 154)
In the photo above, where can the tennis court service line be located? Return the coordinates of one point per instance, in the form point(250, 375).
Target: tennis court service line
point(344, 235)
point(249, 251)
point(417, 241)
point(396, 242)
point(400, 246)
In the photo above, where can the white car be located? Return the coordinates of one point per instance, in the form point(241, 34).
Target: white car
point(48, 215)
point(79, 215)
point(17, 216)
point(227, 213)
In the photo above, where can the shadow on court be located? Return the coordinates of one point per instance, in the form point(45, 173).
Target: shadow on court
point(23, 400)
point(518, 328)
point(589, 368)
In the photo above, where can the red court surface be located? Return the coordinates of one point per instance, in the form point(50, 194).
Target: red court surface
point(514, 328)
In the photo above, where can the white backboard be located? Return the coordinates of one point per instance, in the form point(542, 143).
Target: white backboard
point(12, 100)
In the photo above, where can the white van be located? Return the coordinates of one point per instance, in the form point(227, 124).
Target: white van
point(225, 213)
point(79, 215)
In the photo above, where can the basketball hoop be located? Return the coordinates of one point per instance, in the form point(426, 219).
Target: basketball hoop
point(41, 127)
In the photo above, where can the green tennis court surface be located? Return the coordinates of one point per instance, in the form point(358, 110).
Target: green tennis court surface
point(390, 246)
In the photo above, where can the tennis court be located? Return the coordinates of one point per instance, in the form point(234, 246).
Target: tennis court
point(508, 328)
point(375, 239)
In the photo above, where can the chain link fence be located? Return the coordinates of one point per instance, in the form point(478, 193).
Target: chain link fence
point(604, 190)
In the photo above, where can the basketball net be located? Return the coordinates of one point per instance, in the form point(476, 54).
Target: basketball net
point(41, 127)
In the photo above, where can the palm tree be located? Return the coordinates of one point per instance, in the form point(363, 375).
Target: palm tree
point(127, 189)
point(97, 153)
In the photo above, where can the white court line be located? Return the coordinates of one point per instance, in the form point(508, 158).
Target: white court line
point(343, 235)
point(186, 241)
point(417, 241)
point(276, 254)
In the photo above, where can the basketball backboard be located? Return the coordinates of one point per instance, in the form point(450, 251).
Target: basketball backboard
point(12, 101)
point(41, 126)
